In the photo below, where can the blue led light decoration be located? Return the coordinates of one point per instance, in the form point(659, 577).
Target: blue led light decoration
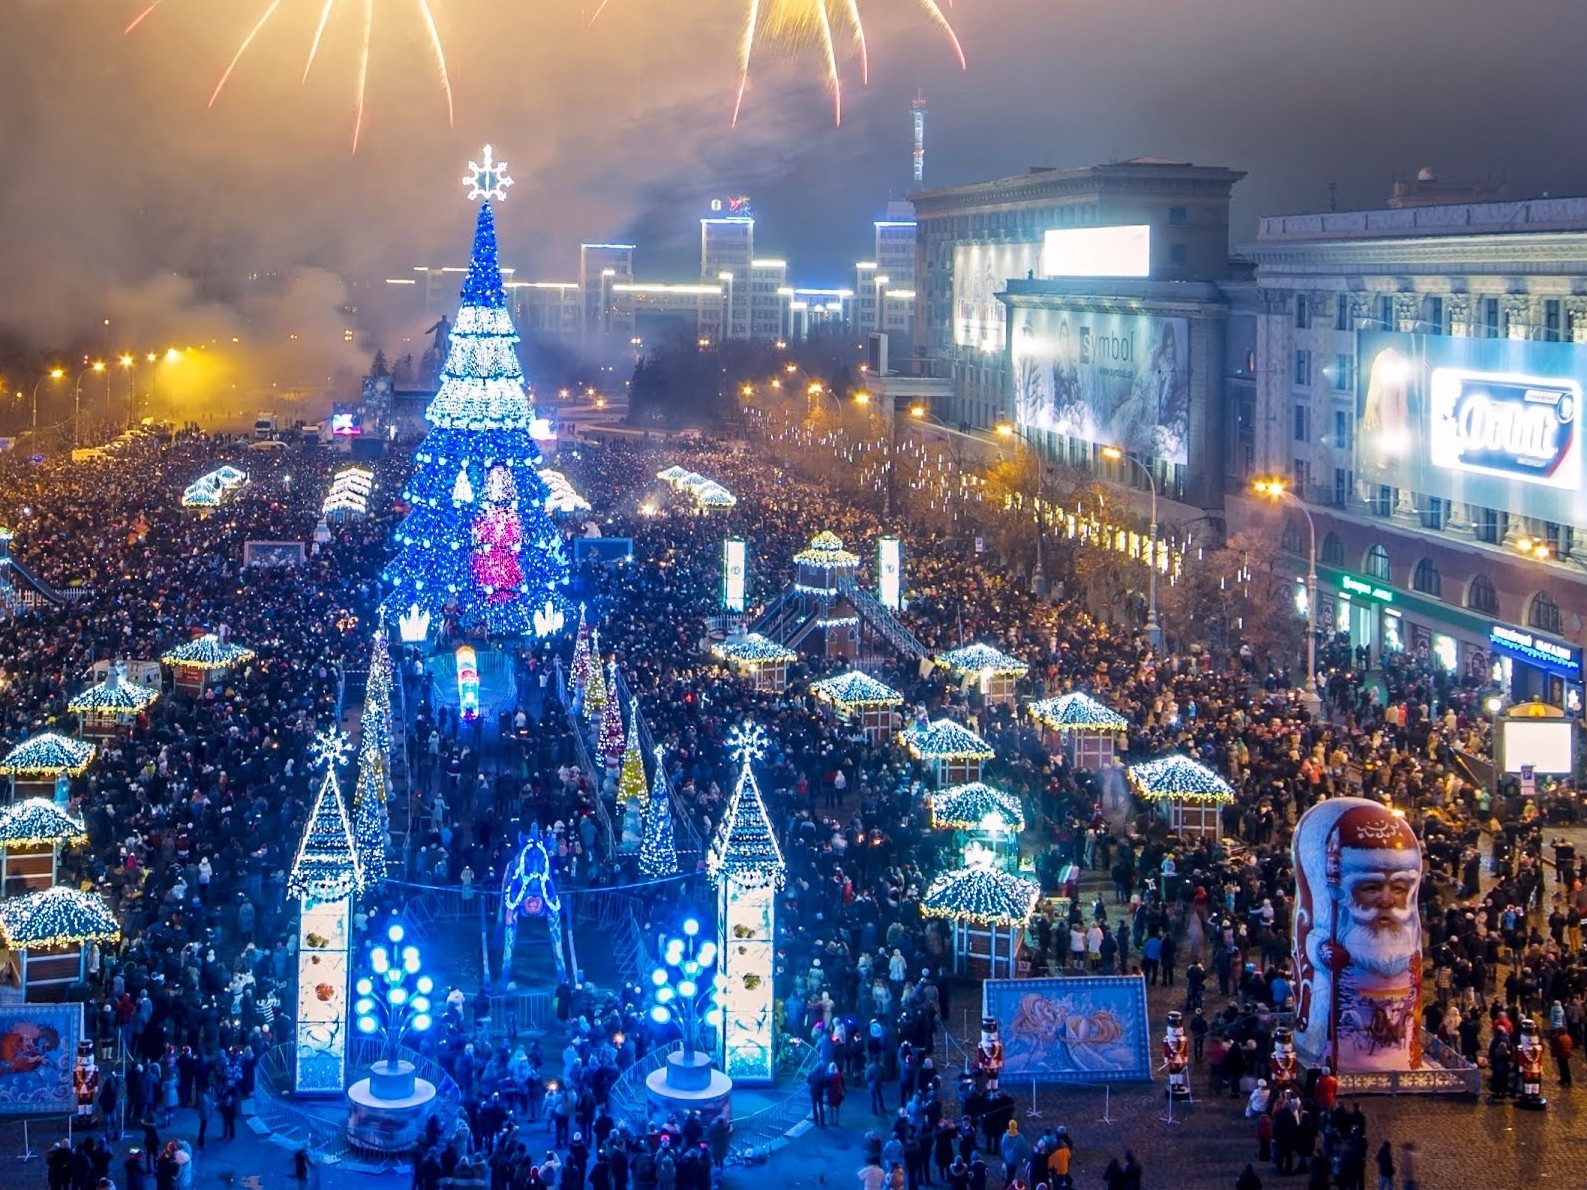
point(658, 847)
point(746, 865)
point(685, 989)
point(394, 1000)
point(478, 537)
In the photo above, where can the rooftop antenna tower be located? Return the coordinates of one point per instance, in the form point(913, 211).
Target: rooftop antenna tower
point(917, 115)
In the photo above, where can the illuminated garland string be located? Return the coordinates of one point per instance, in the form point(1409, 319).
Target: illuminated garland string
point(1179, 779)
point(658, 849)
point(981, 895)
point(1076, 710)
point(855, 691)
point(56, 916)
point(943, 739)
point(745, 850)
point(968, 807)
point(982, 659)
point(208, 652)
point(48, 753)
point(38, 821)
point(753, 648)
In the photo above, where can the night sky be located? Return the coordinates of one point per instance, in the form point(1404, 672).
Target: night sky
point(115, 177)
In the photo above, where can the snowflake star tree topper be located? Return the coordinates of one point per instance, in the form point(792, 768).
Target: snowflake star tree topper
point(487, 180)
point(746, 743)
point(330, 748)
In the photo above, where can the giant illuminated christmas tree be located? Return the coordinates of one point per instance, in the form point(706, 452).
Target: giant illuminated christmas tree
point(478, 544)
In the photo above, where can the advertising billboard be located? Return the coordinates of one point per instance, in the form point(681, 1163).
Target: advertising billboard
point(1116, 379)
point(1079, 1029)
point(980, 273)
point(1122, 251)
point(734, 569)
point(1491, 422)
point(889, 572)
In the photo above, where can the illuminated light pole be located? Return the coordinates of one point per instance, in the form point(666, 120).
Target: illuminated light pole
point(1277, 490)
point(1154, 630)
point(77, 400)
point(386, 1111)
point(1038, 576)
point(54, 374)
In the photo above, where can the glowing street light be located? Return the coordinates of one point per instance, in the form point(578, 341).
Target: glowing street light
point(685, 986)
point(1038, 576)
point(54, 374)
point(387, 1003)
point(1277, 490)
point(1117, 454)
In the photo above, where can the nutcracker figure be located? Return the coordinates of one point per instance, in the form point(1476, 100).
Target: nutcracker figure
point(989, 1053)
point(1283, 1066)
point(1529, 1051)
point(1176, 1056)
point(85, 1079)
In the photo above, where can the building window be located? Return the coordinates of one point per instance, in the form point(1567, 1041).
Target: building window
point(1332, 551)
point(1490, 317)
point(1377, 563)
point(1290, 541)
point(1481, 596)
point(1342, 314)
point(1342, 487)
point(1178, 216)
point(1300, 475)
point(1344, 374)
point(1551, 320)
point(1386, 313)
point(1302, 311)
point(1489, 525)
point(1543, 614)
point(1381, 502)
point(1435, 314)
point(1432, 510)
point(1426, 579)
point(1302, 423)
point(1561, 539)
point(1341, 429)
point(1178, 253)
point(1303, 367)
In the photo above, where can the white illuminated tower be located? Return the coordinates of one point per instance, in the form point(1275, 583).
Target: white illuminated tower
point(917, 117)
point(746, 865)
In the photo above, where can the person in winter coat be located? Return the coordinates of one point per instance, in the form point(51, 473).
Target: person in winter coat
point(1248, 1180)
point(834, 1092)
point(1015, 1151)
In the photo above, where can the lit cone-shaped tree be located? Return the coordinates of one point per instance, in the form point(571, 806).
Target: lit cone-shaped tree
point(609, 743)
point(631, 785)
point(595, 685)
point(579, 670)
point(658, 849)
point(478, 538)
point(371, 826)
point(375, 722)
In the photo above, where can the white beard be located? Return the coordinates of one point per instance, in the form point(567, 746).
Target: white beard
point(1385, 953)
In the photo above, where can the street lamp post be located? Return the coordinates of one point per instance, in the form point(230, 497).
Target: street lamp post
point(1277, 490)
point(1494, 705)
point(54, 374)
point(77, 400)
point(1038, 575)
point(1154, 630)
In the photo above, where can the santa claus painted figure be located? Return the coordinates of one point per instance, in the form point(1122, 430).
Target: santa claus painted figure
point(1176, 1056)
point(1358, 937)
point(989, 1053)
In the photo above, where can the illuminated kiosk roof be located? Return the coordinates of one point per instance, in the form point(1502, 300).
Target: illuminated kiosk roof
point(57, 916)
point(36, 821)
point(826, 550)
point(673, 474)
point(1076, 710)
point(976, 807)
point(981, 895)
point(1179, 779)
point(208, 652)
point(854, 690)
point(755, 648)
point(982, 659)
point(945, 740)
point(47, 753)
point(115, 693)
point(744, 849)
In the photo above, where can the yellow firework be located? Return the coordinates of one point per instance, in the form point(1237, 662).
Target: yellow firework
point(320, 13)
point(799, 25)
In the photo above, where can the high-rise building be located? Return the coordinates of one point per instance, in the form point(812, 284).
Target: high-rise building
point(727, 252)
point(608, 320)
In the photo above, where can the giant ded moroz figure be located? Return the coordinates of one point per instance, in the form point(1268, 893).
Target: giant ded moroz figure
point(1358, 938)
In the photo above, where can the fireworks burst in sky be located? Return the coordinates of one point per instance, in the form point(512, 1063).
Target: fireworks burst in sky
point(798, 24)
point(321, 12)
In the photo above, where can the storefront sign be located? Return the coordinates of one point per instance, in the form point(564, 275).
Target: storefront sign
point(1553, 656)
point(1366, 588)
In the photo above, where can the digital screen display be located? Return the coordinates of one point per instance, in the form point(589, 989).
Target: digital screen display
point(1124, 251)
point(1489, 422)
point(980, 273)
point(1114, 379)
point(345, 425)
point(734, 573)
point(889, 572)
point(1544, 744)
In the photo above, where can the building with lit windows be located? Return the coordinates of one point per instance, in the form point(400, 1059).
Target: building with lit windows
point(606, 324)
point(1419, 376)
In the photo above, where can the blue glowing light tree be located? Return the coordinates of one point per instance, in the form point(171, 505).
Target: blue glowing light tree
point(478, 544)
point(386, 1110)
point(746, 865)
point(395, 1000)
point(658, 848)
point(686, 987)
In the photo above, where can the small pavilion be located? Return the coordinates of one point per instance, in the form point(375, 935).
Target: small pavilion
point(862, 700)
point(32, 833)
point(110, 708)
point(1085, 730)
point(763, 662)
point(39, 762)
point(989, 911)
point(1190, 796)
point(50, 932)
point(205, 660)
point(991, 671)
point(952, 751)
